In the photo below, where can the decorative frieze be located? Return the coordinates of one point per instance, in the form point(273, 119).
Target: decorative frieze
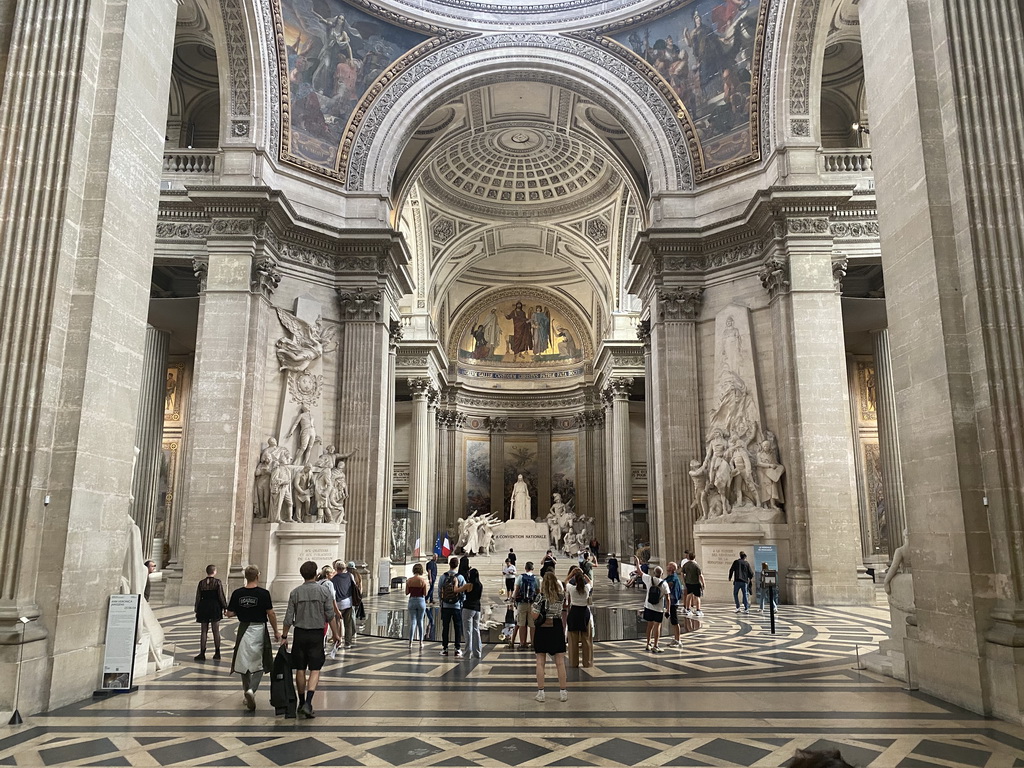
point(818, 225)
point(854, 229)
point(497, 425)
point(191, 230)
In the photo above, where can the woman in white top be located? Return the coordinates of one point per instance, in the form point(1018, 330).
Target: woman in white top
point(577, 590)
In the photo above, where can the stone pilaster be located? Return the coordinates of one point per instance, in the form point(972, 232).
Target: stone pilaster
point(430, 510)
point(235, 318)
point(816, 439)
point(593, 446)
point(419, 469)
point(445, 464)
point(148, 430)
point(497, 426)
point(614, 527)
point(949, 215)
point(543, 427)
point(888, 441)
point(80, 138)
point(673, 418)
point(621, 459)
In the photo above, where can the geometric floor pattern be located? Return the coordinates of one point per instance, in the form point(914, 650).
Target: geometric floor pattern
point(734, 695)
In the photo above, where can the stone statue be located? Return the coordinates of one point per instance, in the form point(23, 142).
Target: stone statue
point(304, 343)
point(556, 521)
point(743, 473)
point(699, 477)
point(281, 492)
point(719, 471)
point(471, 533)
point(520, 504)
point(302, 492)
point(271, 455)
point(487, 534)
point(328, 458)
point(769, 475)
point(307, 434)
point(334, 512)
point(900, 560)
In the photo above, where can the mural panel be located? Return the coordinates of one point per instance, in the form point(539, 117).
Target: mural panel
point(333, 54)
point(523, 331)
point(706, 54)
point(521, 458)
point(478, 474)
point(563, 470)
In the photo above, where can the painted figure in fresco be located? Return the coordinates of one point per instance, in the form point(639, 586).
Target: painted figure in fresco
point(541, 322)
point(336, 43)
point(492, 331)
point(521, 339)
point(480, 347)
point(567, 346)
point(707, 50)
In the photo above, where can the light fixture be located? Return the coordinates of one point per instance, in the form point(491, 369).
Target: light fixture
point(861, 128)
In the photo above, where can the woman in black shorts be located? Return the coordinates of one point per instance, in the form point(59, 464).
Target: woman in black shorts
point(549, 638)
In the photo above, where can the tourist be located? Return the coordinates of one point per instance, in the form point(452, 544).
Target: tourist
point(309, 606)
point(432, 574)
point(511, 556)
point(741, 574)
point(254, 609)
point(523, 595)
point(588, 565)
point(595, 547)
point(416, 589)
point(324, 580)
point(509, 572)
point(675, 594)
point(547, 564)
point(473, 590)
point(656, 603)
point(150, 567)
point(613, 569)
point(693, 580)
point(451, 606)
point(344, 587)
point(577, 587)
point(549, 639)
point(209, 608)
point(818, 759)
point(463, 563)
point(762, 589)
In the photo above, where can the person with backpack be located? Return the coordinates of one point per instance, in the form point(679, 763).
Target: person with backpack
point(523, 595)
point(741, 574)
point(451, 606)
point(675, 594)
point(656, 603)
point(472, 592)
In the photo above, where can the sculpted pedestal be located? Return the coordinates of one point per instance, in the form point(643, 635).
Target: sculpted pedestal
point(278, 549)
point(718, 544)
point(527, 537)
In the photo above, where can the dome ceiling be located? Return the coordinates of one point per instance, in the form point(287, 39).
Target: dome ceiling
point(517, 171)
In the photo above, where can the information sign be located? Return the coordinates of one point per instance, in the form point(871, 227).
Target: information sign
point(119, 654)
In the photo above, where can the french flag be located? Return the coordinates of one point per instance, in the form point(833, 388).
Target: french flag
point(442, 546)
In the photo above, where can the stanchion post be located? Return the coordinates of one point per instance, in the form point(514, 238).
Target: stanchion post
point(16, 717)
point(771, 606)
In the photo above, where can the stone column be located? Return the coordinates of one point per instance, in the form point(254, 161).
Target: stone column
point(498, 425)
point(611, 513)
point(430, 512)
point(81, 147)
point(364, 413)
point(235, 316)
point(543, 427)
point(888, 440)
point(148, 431)
point(816, 440)
point(597, 474)
point(445, 462)
point(619, 456)
point(419, 469)
point(952, 236)
point(673, 399)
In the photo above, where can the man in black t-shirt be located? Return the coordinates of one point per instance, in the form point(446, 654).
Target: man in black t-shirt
point(254, 609)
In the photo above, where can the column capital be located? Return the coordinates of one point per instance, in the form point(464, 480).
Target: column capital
point(774, 276)
point(359, 304)
point(497, 425)
point(643, 333)
point(395, 333)
point(265, 275)
point(618, 388)
point(679, 303)
point(201, 268)
point(421, 388)
point(839, 266)
point(543, 424)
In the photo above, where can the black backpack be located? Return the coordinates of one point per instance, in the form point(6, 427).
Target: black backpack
point(527, 589)
point(654, 594)
point(449, 582)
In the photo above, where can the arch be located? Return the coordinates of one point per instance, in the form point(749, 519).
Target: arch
point(391, 120)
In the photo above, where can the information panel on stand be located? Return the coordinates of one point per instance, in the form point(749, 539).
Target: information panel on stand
point(119, 654)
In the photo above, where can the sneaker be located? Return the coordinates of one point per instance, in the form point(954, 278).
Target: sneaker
point(200, 657)
point(746, 610)
point(334, 652)
point(216, 656)
point(458, 654)
point(539, 696)
point(689, 612)
point(738, 609)
point(444, 652)
point(700, 613)
point(563, 695)
point(306, 710)
point(657, 649)
point(478, 655)
point(250, 699)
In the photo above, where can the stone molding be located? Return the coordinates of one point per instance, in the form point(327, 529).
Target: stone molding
point(800, 62)
point(808, 226)
point(854, 230)
point(643, 333)
point(543, 424)
point(239, 78)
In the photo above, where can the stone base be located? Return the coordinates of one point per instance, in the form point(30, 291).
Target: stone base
point(718, 544)
point(527, 537)
point(278, 549)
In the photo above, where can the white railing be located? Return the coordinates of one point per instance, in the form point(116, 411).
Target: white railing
point(192, 162)
point(847, 161)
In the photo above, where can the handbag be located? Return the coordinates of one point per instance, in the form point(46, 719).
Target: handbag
point(542, 617)
point(359, 611)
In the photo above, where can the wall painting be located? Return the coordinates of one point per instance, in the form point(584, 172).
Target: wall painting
point(478, 474)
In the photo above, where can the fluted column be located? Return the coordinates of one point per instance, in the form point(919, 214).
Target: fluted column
point(611, 512)
point(420, 448)
point(148, 431)
point(498, 425)
point(888, 441)
point(81, 152)
point(621, 457)
point(543, 427)
point(597, 475)
point(445, 467)
point(430, 511)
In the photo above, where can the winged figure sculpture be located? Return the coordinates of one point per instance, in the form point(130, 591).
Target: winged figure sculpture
point(304, 342)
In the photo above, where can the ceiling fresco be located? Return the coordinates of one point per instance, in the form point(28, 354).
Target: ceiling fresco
point(706, 57)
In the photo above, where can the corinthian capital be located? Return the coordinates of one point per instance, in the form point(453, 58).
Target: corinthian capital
point(680, 303)
point(359, 304)
point(774, 276)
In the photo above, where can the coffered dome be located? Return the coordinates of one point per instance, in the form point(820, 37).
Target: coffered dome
point(517, 170)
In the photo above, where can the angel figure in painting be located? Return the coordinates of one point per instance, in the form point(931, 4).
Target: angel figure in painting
point(305, 342)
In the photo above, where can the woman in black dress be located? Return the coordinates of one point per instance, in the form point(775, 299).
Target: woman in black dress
point(549, 638)
point(210, 606)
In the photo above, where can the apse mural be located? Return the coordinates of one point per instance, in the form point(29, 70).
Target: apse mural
point(521, 330)
point(478, 475)
point(707, 53)
point(334, 53)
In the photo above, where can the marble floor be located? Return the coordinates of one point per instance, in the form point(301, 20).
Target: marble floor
point(734, 695)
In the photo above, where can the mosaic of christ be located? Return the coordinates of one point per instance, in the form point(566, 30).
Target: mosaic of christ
point(520, 331)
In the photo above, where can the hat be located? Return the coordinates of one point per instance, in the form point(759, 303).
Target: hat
point(351, 564)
